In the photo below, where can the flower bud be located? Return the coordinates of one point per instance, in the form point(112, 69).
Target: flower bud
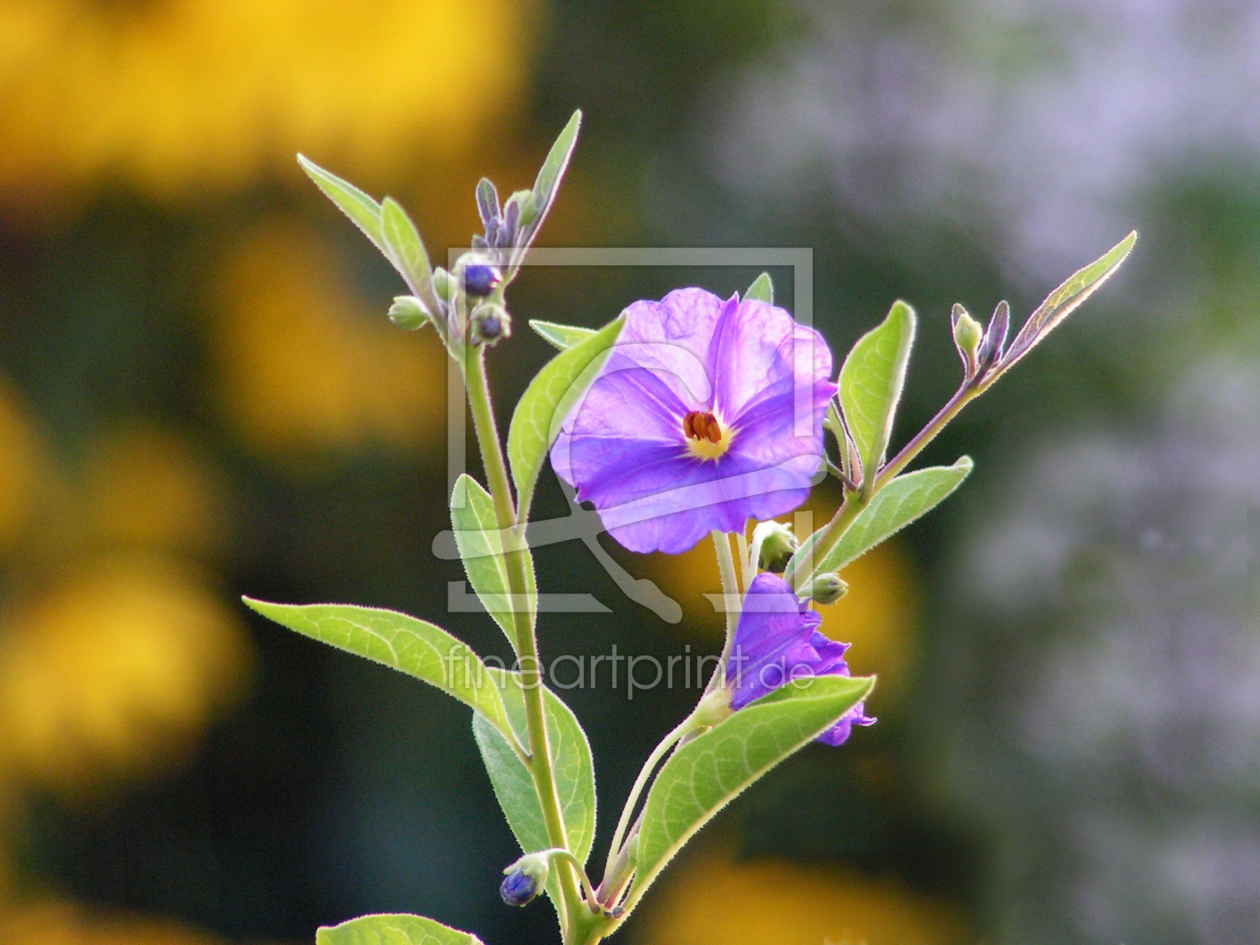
point(443, 284)
point(827, 589)
point(480, 279)
point(490, 324)
point(777, 544)
point(524, 879)
point(408, 313)
point(968, 334)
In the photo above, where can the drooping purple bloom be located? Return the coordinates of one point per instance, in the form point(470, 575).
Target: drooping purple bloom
point(777, 642)
point(707, 413)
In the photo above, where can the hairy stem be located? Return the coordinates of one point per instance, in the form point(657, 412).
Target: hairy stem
point(730, 593)
point(645, 774)
point(963, 396)
point(855, 500)
point(526, 642)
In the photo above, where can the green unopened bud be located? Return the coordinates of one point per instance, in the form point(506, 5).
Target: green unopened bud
point(408, 313)
point(777, 544)
point(443, 284)
point(827, 589)
point(490, 324)
point(967, 336)
point(525, 879)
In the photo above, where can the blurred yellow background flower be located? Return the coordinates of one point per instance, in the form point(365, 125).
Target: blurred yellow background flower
point(304, 368)
point(713, 897)
point(177, 94)
point(107, 673)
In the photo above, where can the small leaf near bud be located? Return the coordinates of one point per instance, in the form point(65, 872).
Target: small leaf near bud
point(827, 589)
point(524, 879)
point(776, 545)
point(490, 324)
point(967, 337)
point(408, 313)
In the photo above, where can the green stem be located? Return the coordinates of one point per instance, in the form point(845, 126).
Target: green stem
point(963, 396)
point(856, 500)
point(730, 594)
point(526, 643)
point(645, 773)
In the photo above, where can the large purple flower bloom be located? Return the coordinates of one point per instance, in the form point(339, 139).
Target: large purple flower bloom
point(707, 413)
point(778, 642)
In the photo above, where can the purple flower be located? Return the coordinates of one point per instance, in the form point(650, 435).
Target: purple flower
point(707, 413)
point(778, 642)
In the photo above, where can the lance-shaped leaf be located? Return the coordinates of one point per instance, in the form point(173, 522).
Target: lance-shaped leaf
point(563, 337)
point(705, 774)
point(514, 787)
point(363, 211)
point(405, 249)
point(1061, 303)
point(480, 543)
point(393, 930)
point(545, 187)
point(761, 290)
point(894, 507)
point(870, 385)
point(547, 401)
point(415, 647)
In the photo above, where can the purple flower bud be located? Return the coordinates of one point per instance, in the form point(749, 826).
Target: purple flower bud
point(524, 879)
point(518, 888)
point(480, 280)
point(490, 324)
point(777, 642)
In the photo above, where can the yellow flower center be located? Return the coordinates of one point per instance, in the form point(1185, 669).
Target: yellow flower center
point(707, 438)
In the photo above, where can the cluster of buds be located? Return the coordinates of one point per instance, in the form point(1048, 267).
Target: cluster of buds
point(980, 349)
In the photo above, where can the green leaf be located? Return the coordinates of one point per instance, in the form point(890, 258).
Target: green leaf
point(415, 647)
point(405, 249)
point(480, 545)
point(894, 507)
point(762, 289)
point(547, 401)
point(534, 212)
point(1062, 302)
point(363, 211)
point(705, 774)
point(514, 787)
point(393, 930)
point(553, 167)
point(870, 384)
point(563, 337)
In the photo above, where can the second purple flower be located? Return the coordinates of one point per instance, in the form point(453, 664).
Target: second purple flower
point(706, 414)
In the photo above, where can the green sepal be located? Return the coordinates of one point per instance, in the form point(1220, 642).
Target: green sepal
point(761, 290)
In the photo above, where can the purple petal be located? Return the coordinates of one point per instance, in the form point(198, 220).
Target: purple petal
point(755, 347)
point(839, 733)
point(771, 640)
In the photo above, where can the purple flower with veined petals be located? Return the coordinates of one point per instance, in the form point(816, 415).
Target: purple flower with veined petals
point(706, 414)
point(777, 642)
